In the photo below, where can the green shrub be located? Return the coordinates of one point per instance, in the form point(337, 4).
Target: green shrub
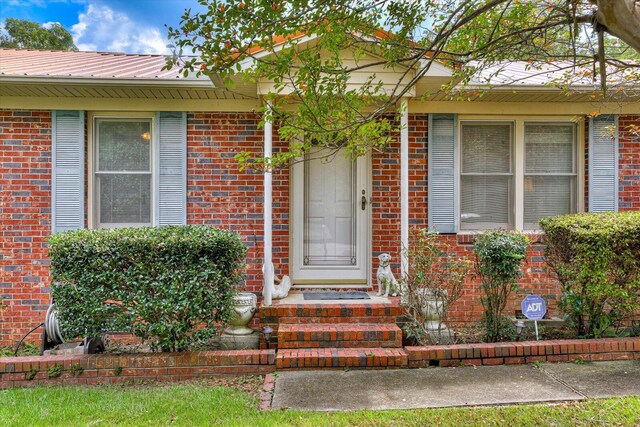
point(171, 286)
point(499, 254)
point(596, 257)
point(431, 285)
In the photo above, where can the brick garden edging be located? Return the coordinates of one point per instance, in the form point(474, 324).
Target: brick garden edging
point(512, 353)
point(111, 369)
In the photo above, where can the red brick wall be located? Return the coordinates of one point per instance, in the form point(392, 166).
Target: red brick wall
point(629, 163)
point(385, 215)
point(25, 220)
point(222, 195)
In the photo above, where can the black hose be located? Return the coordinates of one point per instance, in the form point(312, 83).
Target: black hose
point(15, 354)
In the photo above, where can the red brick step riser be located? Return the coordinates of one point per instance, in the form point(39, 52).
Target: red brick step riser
point(334, 358)
point(340, 335)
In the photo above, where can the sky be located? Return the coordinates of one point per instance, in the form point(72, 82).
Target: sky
point(132, 26)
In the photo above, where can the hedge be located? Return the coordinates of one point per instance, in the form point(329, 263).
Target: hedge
point(596, 257)
point(171, 285)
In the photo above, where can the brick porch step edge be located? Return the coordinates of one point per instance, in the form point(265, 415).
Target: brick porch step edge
point(340, 358)
point(353, 310)
point(525, 352)
point(339, 335)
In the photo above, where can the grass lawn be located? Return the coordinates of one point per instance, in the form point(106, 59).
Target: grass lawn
point(207, 404)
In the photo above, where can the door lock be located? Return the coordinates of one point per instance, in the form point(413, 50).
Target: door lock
point(363, 201)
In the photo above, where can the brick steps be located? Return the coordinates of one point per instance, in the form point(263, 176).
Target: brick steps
point(331, 313)
point(339, 335)
point(340, 358)
point(334, 325)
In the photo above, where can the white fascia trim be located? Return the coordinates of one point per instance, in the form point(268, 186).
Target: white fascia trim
point(91, 81)
point(248, 62)
point(526, 87)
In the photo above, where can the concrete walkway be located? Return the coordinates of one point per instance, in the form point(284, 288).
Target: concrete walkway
point(443, 387)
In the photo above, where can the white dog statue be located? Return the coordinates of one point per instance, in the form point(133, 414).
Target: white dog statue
point(281, 286)
point(386, 281)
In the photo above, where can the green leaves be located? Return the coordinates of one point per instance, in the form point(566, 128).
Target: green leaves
point(434, 278)
point(336, 72)
point(596, 258)
point(23, 34)
point(170, 285)
point(499, 254)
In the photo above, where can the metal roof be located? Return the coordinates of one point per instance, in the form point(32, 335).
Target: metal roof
point(527, 73)
point(89, 65)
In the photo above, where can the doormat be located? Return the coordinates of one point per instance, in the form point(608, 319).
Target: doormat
point(310, 296)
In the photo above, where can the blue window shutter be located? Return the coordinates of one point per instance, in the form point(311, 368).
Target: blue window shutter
point(603, 163)
point(67, 169)
point(172, 168)
point(443, 168)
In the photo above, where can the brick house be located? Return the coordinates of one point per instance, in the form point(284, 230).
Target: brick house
point(91, 140)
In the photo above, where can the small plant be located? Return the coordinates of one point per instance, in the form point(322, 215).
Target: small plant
point(76, 370)
point(31, 374)
point(431, 285)
point(499, 254)
point(55, 370)
point(579, 361)
point(117, 371)
point(25, 350)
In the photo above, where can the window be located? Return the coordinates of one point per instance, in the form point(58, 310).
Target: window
point(512, 173)
point(550, 171)
point(486, 175)
point(123, 172)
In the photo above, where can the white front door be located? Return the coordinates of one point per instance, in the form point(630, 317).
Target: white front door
point(330, 212)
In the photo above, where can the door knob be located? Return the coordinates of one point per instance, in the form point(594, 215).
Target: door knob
point(363, 201)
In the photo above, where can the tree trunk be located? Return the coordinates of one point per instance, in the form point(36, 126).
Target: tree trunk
point(621, 18)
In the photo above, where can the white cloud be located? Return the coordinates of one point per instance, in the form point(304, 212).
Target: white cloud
point(48, 25)
point(102, 28)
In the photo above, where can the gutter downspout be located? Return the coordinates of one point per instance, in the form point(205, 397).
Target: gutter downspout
point(267, 290)
point(404, 185)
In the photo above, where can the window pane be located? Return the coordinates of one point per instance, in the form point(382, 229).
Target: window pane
point(550, 153)
point(124, 145)
point(124, 199)
point(486, 148)
point(549, 148)
point(485, 202)
point(547, 196)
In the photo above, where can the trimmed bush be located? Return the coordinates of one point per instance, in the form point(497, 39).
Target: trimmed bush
point(499, 254)
point(596, 257)
point(171, 286)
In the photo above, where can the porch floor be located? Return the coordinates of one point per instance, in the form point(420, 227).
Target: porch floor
point(296, 298)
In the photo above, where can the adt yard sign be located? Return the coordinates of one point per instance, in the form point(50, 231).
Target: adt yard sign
point(533, 307)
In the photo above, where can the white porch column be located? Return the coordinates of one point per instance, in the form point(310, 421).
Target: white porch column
point(404, 183)
point(267, 269)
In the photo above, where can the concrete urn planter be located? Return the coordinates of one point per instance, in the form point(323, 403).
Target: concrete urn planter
point(431, 310)
point(245, 306)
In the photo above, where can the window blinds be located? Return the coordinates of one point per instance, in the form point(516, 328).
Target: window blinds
point(486, 176)
point(550, 171)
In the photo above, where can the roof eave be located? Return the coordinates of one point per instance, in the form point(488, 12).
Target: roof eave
point(109, 81)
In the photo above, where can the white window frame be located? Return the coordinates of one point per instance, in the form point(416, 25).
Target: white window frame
point(519, 160)
point(512, 173)
point(92, 192)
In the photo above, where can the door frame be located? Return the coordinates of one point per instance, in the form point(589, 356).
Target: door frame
point(296, 215)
